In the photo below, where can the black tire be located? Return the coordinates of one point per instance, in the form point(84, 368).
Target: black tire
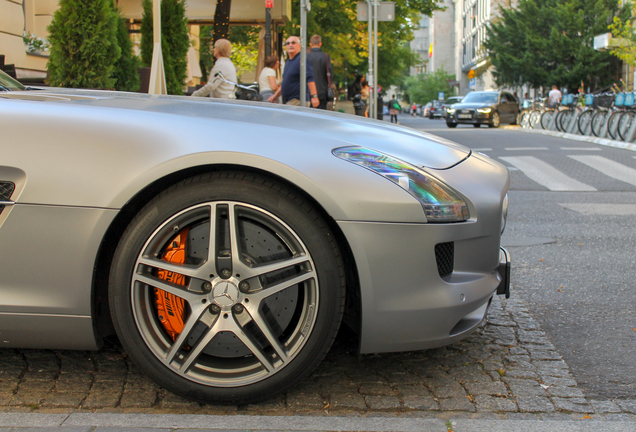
point(612, 124)
point(451, 124)
point(257, 318)
point(624, 124)
point(525, 120)
point(564, 119)
point(494, 120)
point(584, 121)
point(598, 121)
point(476, 125)
point(546, 119)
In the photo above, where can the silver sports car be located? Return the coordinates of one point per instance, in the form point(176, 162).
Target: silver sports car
point(225, 242)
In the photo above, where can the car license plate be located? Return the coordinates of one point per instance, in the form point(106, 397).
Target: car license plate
point(464, 116)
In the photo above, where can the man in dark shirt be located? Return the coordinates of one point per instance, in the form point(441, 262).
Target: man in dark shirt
point(323, 71)
point(290, 85)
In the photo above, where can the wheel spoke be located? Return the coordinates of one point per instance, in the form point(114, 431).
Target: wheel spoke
point(198, 309)
point(259, 296)
point(182, 269)
point(175, 289)
point(197, 349)
point(260, 355)
point(237, 263)
point(253, 310)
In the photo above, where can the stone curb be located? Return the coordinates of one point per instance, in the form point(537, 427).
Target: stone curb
point(584, 138)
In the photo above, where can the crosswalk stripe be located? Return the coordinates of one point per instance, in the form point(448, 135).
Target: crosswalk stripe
point(609, 167)
point(546, 175)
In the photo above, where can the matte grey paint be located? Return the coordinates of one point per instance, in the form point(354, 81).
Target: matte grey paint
point(87, 153)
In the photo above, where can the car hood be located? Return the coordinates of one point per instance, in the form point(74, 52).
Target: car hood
point(338, 129)
point(471, 105)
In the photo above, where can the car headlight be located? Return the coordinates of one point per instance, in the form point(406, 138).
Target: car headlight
point(450, 111)
point(440, 202)
point(484, 110)
point(504, 213)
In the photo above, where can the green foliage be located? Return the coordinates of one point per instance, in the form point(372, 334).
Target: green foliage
point(546, 42)
point(125, 74)
point(424, 88)
point(244, 48)
point(175, 41)
point(84, 49)
point(345, 38)
point(623, 31)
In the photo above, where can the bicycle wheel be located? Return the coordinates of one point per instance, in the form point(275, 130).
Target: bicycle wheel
point(624, 124)
point(612, 124)
point(547, 119)
point(525, 120)
point(598, 121)
point(584, 121)
point(564, 119)
point(535, 119)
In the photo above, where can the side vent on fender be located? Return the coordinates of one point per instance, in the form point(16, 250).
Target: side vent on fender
point(6, 190)
point(445, 257)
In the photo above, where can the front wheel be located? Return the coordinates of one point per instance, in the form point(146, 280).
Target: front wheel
point(494, 121)
point(624, 124)
point(227, 288)
point(598, 122)
point(451, 124)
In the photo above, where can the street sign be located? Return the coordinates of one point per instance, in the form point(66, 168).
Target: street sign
point(269, 4)
point(471, 83)
point(386, 11)
point(440, 96)
point(471, 74)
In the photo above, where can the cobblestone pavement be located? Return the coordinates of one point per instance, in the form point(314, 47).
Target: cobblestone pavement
point(508, 369)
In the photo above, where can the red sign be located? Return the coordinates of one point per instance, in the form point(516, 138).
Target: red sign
point(269, 4)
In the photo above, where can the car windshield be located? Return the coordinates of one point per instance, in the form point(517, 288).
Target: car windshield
point(480, 98)
point(9, 84)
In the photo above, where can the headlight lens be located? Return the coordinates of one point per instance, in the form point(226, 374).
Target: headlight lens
point(484, 110)
point(439, 201)
point(450, 111)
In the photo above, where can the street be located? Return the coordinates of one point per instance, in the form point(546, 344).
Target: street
point(571, 234)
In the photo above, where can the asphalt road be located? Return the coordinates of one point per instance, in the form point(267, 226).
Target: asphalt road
point(571, 232)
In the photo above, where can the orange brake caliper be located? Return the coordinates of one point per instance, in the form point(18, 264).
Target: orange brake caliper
point(170, 308)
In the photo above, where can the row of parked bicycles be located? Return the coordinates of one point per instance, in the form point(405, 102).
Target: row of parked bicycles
point(605, 115)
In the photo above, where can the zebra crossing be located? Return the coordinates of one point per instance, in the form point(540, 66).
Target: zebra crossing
point(553, 178)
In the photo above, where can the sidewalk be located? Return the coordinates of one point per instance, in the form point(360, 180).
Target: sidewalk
point(584, 138)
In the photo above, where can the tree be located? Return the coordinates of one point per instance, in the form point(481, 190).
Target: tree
point(175, 41)
point(84, 48)
point(125, 73)
point(624, 33)
point(424, 88)
point(546, 42)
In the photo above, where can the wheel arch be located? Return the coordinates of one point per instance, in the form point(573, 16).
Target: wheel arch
point(102, 323)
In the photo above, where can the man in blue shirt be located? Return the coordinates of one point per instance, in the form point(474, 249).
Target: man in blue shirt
point(290, 85)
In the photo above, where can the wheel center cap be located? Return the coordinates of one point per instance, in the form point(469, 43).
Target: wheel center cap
point(225, 293)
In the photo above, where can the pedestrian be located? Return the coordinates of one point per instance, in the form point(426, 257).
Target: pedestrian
point(394, 107)
point(323, 71)
point(414, 110)
point(364, 93)
point(355, 87)
point(267, 82)
point(554, 97)
point(290, 85)
point(216, 87)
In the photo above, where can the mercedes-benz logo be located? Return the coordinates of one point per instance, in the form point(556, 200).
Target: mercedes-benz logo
point(225, 293)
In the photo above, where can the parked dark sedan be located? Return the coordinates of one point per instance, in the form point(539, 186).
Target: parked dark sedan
point(448, 102)
point(484, 107)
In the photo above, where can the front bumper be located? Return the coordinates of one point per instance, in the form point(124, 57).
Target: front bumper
point(476, 118)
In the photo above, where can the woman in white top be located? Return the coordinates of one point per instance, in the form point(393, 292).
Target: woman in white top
point(267, 80)
point(216, 87)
